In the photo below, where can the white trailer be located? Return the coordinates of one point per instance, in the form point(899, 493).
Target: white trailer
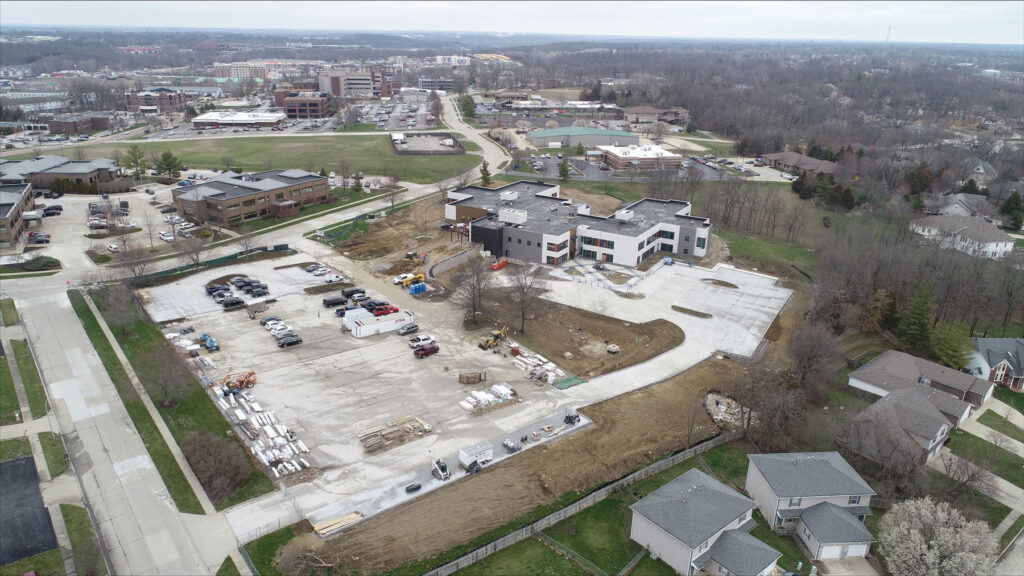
point(352, 315)
point(381, 324)
point(481, 453)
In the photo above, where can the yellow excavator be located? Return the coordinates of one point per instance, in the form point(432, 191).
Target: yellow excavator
point(494, 338)
point(412, 258)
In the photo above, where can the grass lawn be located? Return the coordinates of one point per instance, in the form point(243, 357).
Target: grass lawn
point(14, 448)
point(649, 485)
point(8, 397)
point(30, 378)
point(1012, 399)
point(992, 328)
point(195, 411)
point(843, 395)
point(86, 550)
point(359, 127)
point(754, 249)
point(228, 568)
point(729, 464)
point(17, 275)
point(263, 550)
point(9, 312)
point(53, 451)
point(720, 149)
point(47, 563)
point(1004, 464)
point(530, 556)
point(791, 553)
point(178, 487)
point(999, 424)
point(874, 524)
point(600, 533)
point(1010, 533)
point(974, 505)
point(368, 154)
point(648, 567)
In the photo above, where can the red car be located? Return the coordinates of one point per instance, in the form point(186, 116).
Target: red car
point(385, 310)
point(426, 350)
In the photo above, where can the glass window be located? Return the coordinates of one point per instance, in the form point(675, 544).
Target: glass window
point(528, 243)
point(854, 500)
point(519, 240)
point(794, 502)
point(701, 242)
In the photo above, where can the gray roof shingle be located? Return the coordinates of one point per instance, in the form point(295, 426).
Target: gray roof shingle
point(996, 350)
point(693, 507)
point(972, 227)
point(902, 423)
point(810, 474)
point(742, 554)
point(833, 524)
point(893, 370)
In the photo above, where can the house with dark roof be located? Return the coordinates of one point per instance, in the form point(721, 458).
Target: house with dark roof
point(971, 235)
point(954, 393)
point(815, 496)
point(230, 198)
point(800, 164)
point(999, 360)
point(957, 204)
point(696, 524)
point(901, 430)
point(643, 114)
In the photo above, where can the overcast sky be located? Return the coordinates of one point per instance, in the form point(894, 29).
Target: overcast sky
point(947, 22)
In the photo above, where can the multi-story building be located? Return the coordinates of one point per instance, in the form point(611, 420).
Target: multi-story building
point(238, 119)
point(529, 221)
point(83, 123)
point(42, 171)
point(372, 82)
point(647, 157)
point(157, 99)
point(240, 70)
point(452, 60)
point(303, 104)
point(446, 84)
point(229, 199)
point(15, 200)
point(999, 360)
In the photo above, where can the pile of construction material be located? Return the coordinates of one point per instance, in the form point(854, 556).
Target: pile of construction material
point(539, 368)
point(272, 443)
point(393, 434)
point(479, 400)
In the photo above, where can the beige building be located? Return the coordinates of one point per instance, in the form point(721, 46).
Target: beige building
point(647, 157)
point(240, 70)
point(15, 200)
point(229, 199)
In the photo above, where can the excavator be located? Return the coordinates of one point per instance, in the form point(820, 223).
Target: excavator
point(494, 338)
point(412, 258)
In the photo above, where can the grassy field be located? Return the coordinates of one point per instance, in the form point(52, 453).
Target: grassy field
point(9, 312)
point(17, 275)
point(1012, 399)
point(359, 127)
point(992, 328)
point(263, 550)
point(1010, 533)
point(177, 485)
point(367, 154)
point(1000, 424)
point(30, 378)
point(48, 563)
point(650, 567)
point(194, 411)
point(14, 448)
point(756, 249)
point(53, 451)
point(228, 568)
point(530, 556)
point(84, 546)
point(1005, 464)
point(729, 463)
point(791, 554)
point(9, 405)
point(600, 533)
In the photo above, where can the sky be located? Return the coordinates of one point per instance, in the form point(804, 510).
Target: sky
point(940, 22)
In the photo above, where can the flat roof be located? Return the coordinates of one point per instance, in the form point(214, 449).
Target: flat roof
point(646, 213)
point(647, 151)
point(240, 117)
point(10, 196)
point(580, 131)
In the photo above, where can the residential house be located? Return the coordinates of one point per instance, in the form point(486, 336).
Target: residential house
point(982, 172)
point(643, 114)
point(15, 201)
point(999, 360)
point(902, 429)
point(676, 116)
point(229, 198)
point(799, 164)
point(815, 496)
point(957, 204)
point(697, 524)
point(970, 235)
point(952, 392)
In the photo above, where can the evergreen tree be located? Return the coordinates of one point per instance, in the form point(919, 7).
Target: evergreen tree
point(691, 128)
point(846, 199)
point(951, 345)
point(468, 107)
point(1013, 208)
point(168, 163)
point(916, 322)
point(357, 185)
point(563, 170)
point(323, 172)
point(970, 187)
point(580, 150)
point(485, 174)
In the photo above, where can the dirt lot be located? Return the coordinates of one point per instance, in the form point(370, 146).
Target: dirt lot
point(600, 204)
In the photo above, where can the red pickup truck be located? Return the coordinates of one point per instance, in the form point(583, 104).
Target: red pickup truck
point(385, 310)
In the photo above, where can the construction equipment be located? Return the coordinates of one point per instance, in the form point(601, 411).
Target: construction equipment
point(414, 258)
point(210, 342)
point(232, 383)
point(572, 417)
point(499, 264)
point(416, 279)
point(439, 468)
point(494, 338)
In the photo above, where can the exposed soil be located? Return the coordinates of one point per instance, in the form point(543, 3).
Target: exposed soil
point(721, 283)
point(690, 312)
point(600, 204)
point(617, 277)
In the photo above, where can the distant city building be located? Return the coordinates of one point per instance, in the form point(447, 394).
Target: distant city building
point(648, 157)
point(303, 104)
point(238, 119)
point(240, 70)
point(372, 82)
point(139, 49)
point(452, 60)
point(446, 84)
point(158, 99)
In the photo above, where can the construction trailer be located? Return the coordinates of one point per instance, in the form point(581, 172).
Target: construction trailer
point(254, 307)
point(351, 316)
point(480, 454)
point(381, 324)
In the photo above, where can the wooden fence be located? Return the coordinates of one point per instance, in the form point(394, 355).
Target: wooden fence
point(580, 505)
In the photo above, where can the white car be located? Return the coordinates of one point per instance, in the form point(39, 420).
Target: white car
point(273, 324)
point(113, 247)
point(402, 278)
point(334, 278)
point(186, 226)
point(279, 328)
point(422, 339)
point(321, 271)
point(166, 236)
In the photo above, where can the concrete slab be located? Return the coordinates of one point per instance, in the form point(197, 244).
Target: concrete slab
point(849, 567)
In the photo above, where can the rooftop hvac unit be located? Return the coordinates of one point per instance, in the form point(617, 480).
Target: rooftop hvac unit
point(509, 195)
point(512, 215)
point(624, 215)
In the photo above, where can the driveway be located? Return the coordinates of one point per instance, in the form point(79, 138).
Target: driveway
point(850, 566)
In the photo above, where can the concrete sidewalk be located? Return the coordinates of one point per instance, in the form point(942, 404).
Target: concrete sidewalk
point(1000, 490)
point(984, 432)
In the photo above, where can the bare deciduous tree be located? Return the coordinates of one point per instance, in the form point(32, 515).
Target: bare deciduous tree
point(527, 285)
point(136, 261)
point(190, 250)
point(474, 280)
point(149, 226)
point(811, 346)
point(228, 162)
point(167, 371)
point(220, 464)
point(118, 304)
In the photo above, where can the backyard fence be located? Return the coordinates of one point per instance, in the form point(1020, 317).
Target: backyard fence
point(580, 505)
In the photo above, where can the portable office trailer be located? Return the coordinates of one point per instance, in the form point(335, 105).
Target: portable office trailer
point(381, 324)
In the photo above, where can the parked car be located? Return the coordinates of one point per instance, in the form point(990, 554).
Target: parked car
point(350, 292)
point(333, 278)
point(39, 240)
point(422, 339)
point(332, 301)
point(279, 329)
point(321, 271)
point(220, 297)
point(408, 329)
point(168, 209)
point(238, 280)
point(166, 236)
point(426, 350)
point(289, 341)
point(313, 267)
point(113, 247)
point(232, 302)
point(385, 310)
point(273, 324)
point(260, 292)
point(268, 319)
point(359, 298)
point(286, 334)
point(402, 278)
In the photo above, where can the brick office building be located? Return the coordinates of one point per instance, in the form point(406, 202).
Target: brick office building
point(15, 200)
point(229, 199)
point(84, 123)
point(163, 99)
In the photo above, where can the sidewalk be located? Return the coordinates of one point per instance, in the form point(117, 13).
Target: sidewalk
point(1000, 490)
point(988, 434)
